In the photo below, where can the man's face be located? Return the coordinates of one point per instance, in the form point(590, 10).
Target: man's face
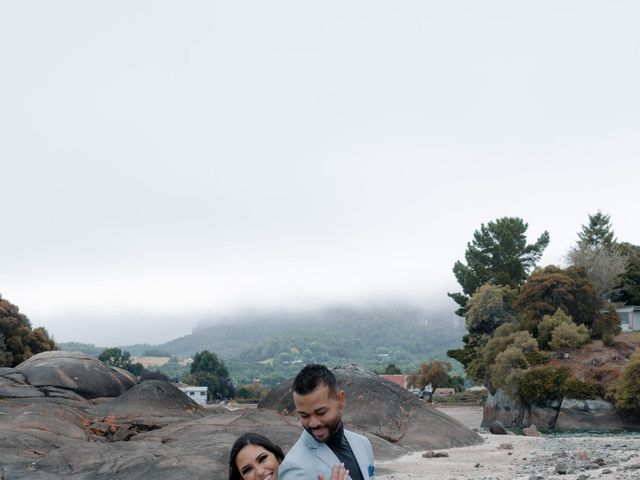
point(319, 412)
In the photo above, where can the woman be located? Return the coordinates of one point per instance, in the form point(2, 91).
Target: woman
point(255, 457)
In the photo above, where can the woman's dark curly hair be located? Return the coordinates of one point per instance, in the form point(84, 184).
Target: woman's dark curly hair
point(251, 438)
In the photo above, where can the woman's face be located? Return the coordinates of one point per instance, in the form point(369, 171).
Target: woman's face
point(257, 463)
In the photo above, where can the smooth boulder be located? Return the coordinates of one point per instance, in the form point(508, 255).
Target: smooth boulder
point(386, 410)
point(588, 415)
point(497, 428)
point(77, 372)
point(153, 398)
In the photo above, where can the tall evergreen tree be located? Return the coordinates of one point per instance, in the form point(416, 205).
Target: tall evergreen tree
point(499, 254)
point(628, 287)
point(598, 232)
point(599, 254)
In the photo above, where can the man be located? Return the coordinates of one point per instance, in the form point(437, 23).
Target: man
point(324, 442)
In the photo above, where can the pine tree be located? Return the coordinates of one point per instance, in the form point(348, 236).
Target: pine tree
point(499, 254)
point(598, 233)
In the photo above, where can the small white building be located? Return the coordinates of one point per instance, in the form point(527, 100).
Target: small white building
point(197, 394)
point(629, 318)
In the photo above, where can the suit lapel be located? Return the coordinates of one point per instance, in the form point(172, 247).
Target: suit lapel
point(323, 452)
point(359, 452)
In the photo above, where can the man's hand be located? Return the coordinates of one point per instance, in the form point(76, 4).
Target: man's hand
point(337, 473)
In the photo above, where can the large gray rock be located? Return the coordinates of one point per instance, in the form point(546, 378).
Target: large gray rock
point(588, 415)
point(53, 440)
point(501, 407)
point(14, 385)
point(568, 414)
point(386, 410)
point(155, 431)
point(544, 415)
point(80, 373)
point(153, 398)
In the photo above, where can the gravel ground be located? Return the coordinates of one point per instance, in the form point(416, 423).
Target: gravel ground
point(516, 457)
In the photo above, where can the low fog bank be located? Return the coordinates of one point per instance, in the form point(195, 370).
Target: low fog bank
point(137, 327)
point(437, 312)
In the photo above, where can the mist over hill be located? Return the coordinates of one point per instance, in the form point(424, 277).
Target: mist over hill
point(272, 345)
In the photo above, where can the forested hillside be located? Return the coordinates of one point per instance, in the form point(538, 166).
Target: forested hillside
point(273, 345)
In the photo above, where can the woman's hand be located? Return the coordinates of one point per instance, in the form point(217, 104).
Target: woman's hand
point(337, 473)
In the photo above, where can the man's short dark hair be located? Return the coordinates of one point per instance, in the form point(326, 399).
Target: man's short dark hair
point(311, 377)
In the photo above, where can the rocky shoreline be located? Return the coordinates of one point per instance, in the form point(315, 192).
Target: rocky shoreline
point(67, 415)
point(516, 457)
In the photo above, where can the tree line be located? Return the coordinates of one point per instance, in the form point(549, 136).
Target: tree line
point(518, 315)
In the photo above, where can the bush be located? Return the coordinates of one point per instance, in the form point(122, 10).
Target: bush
point(548, 325)
point(628, 391)
point(544, 383)
point(509, 369)
point(506, 356)
point(607, 325)
point(555, 383)
point(18, 341)
point(569, 335)
point(607, 339)
point(252, 392)
point(536, 357)
point(580, 390)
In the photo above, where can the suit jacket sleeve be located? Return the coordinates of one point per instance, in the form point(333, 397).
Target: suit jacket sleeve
point(291, 470)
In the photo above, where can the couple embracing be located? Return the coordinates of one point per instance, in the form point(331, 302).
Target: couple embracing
point(325, 449)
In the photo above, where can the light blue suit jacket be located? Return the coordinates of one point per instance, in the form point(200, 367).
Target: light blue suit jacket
point(308, 457)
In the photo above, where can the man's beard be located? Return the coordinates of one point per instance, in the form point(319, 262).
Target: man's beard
point(333, 429)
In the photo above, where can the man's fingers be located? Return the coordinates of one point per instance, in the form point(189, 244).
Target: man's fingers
point(338, 472)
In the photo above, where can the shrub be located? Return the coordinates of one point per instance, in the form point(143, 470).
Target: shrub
point(607, 339)
point(18, 340)
point(580, 390)
point(549, 324)
point(252, 392)
point(628, 391)
point(543, 383)
point(509, 369)
point(536, 357)
point(489, 307)
point(607, 325)
point(569, 335)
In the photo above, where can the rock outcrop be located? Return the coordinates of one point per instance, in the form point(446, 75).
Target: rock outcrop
point(568, 414)
point(386, 410)
point(153, 430)
point(501, 407)
point(79, 373)
point(588, 415)
point(153, 398)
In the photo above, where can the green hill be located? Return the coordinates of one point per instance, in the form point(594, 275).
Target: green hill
point(274, 345)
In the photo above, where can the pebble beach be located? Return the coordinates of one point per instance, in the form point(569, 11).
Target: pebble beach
point(515, 457)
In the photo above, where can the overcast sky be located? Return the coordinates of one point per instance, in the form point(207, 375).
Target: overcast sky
point(169, 159)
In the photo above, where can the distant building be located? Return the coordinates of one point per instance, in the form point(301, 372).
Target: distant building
point(197, 394)
point(397, 379)
point(443, 392)
point(629, 318)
